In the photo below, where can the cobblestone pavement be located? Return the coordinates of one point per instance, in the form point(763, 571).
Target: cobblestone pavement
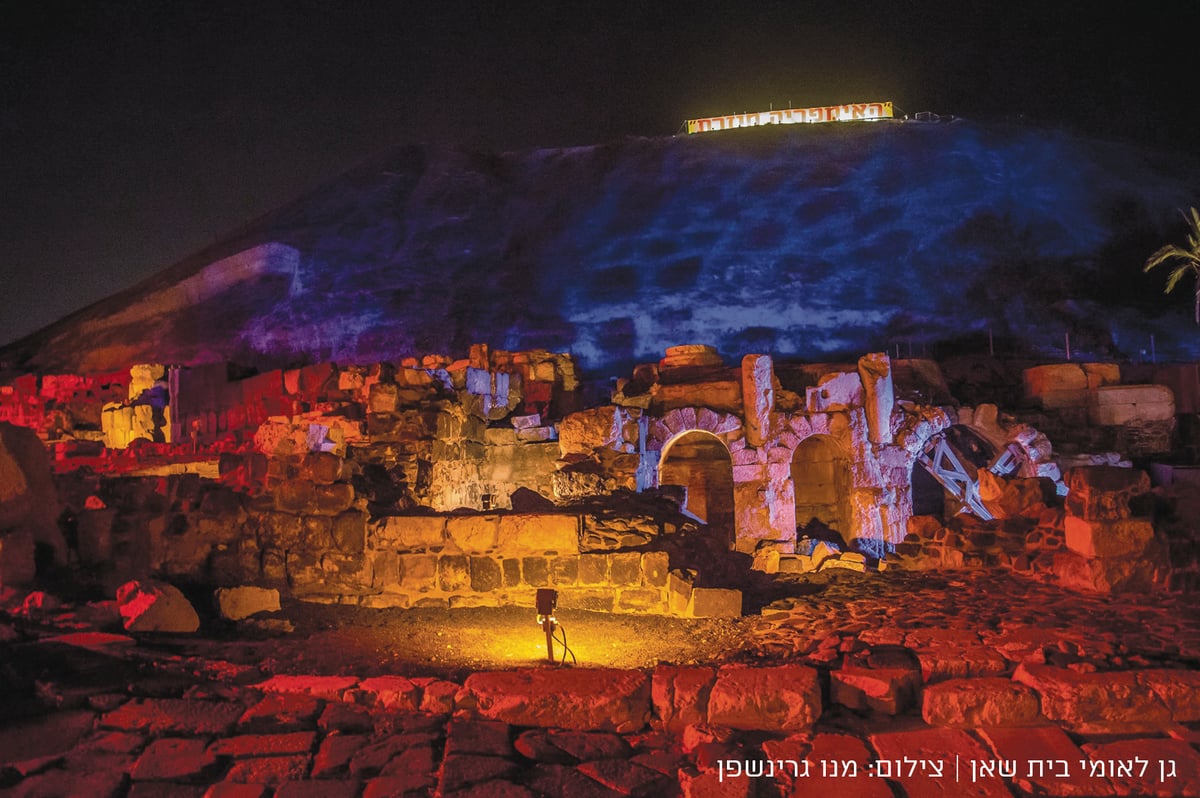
point(894, 684)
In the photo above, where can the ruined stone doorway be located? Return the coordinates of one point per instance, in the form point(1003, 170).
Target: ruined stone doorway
point(699, 462)
point(821, 481)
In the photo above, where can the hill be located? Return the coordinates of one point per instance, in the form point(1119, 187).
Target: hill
point(808, 242)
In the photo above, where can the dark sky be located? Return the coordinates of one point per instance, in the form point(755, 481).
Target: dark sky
point(134, 133)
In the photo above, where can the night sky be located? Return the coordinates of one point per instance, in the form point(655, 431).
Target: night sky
point(132, 134)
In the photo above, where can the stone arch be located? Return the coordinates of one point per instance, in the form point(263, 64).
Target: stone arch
point(821, 484)
point(700, 462)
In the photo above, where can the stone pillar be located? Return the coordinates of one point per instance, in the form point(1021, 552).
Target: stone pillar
point(875, 370)
point(758, 397)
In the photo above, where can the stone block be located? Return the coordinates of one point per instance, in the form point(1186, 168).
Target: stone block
point(680, 695)
point(655, 566)
point(539, 533)
point(536, 434)
point(593, 569)
point(1126, 537)
point(564, 570)
point(148, 606)
point(1103, 492)
point(1120, 405)
point(485, 574)
point(535, 571)
point(715, 602)
point(295, 496)
point(625, 568)
point(1056, 385)
point(1095, 703)
point(642, 599)
point(500, 436)
point(679, 591)
point(236, 603)
point(473, 533)
point(588, 430)
point(781, 698)
point(349, 532)
point(383, 398)
point(333, 499)
point(454, 572)
point(1043, 744)
point(1102, 574)
point(323, 468)
point(976, 703)
point(410, 532)
point(510, 572)
point(418, 571)
point(887, 690)
point(583, 598)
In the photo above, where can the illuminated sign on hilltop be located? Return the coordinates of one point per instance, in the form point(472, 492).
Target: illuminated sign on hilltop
point(793, 116)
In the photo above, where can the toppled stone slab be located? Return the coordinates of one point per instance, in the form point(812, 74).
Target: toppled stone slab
point(281, 712)
point(1095, 702)
point(236, 603)
point(389, 692)
point(972, 703)
point(163, 716)
point(778, 698)
point(148, 606)
point(175, 759)
point(328, 688)
point(251, 745)
point(587, 699)
point(888, 690)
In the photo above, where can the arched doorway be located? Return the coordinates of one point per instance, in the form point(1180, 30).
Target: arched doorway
point(945, 475)
point(699, 462)
point(821, 481)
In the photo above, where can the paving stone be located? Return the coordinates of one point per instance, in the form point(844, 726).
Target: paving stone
point(599, 699)
point(535, 744)
point(934, 751)
point(628, 778)
point(1045, 761)
point(333, 757)
point(175, 759)
point(887, 690)
point(49, 735)
point(319, 788)
point(469, 736)
point(231, 789)
point(346, 718)
point(564, 781)
point(590, 746)
point(281, 712)
point(165, 789)
point(437, 696)
point(270, 770)
point(463, 770)
point(1179, 690)
point(66, 783)
point(971, 703)
point(372, 758)
point(114, 742)
point(1144, 767)
point(162, 716)
point(248, 745)
point(828, 748)
point(496, 788)
point(417, 761)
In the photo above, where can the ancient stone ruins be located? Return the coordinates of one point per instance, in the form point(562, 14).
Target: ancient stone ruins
point(929, 582)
